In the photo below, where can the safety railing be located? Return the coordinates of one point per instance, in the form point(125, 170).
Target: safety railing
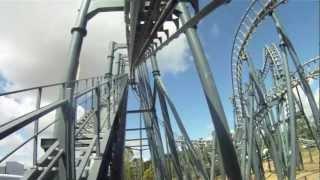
point(12, 126)
point(88, 93)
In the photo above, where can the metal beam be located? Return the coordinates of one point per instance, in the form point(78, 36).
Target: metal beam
point(212, 96)
point(136, 129)
point(212, 5)
point(139, 111)
point(136, 139)
point(98, 6)
point(143, 145)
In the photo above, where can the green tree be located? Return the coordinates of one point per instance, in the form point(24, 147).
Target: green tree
point(302, 129)
point(128, 156)
point(148, 173)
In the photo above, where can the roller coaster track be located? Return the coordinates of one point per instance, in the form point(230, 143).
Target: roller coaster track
point(273, 113)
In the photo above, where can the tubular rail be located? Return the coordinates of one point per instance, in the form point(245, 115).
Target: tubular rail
point(44, 165)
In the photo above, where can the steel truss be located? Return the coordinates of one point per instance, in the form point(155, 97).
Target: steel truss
point(266, 115)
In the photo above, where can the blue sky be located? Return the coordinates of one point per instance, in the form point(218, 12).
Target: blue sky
point(301, 21)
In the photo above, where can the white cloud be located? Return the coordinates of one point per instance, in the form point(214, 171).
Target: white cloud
point(174, 57)
point(11, 108)
point(34, 41)
point(35, 38)
point(16, 141)
point(20, 155)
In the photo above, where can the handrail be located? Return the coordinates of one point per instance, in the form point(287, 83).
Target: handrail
point(24, 120)
point(26, 141)
point(85, 91)
point(46, 86)
point(11, 126)
point(117, 82)
point(29, 89)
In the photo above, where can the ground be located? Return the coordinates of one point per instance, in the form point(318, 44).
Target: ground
point(311, 170)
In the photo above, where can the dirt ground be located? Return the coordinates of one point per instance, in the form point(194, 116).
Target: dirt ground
point(311, 170)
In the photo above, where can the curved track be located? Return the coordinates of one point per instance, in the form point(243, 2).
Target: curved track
point(267, 100)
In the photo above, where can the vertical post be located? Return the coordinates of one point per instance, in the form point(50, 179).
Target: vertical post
point(260, 98)
point(69, 118)
point(59, 133)
point(166, 119)
point(257, 162)
point(63, 127)
point(168, 158)
point(213, 157)
point(77, 86)
point(198, 163)
point(221, 163)
point(87, 97)
point(243, 147)
point(292, 119)
point(250, 130)
point(108, 76)
point(305, 86)
point(36, 128)
point(92, 94)
point(212, 96)
point(110, 58)
point(109, 104)
point(78, 32)
point(119, 63)
point(123, 66)
point(98, 107)
point(151, 122)
point(141, 159)
point(119, 141)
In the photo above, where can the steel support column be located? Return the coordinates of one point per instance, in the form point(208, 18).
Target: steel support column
point(110, 59)
point(166, 118)
point(36, 129)
point(69, 147)
point(292, 120)
point(66, 169)
point(212, 96)
point(250, 130)
point(118, 148)
point(213, 157)
point(296, 61)
point(118, 64)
